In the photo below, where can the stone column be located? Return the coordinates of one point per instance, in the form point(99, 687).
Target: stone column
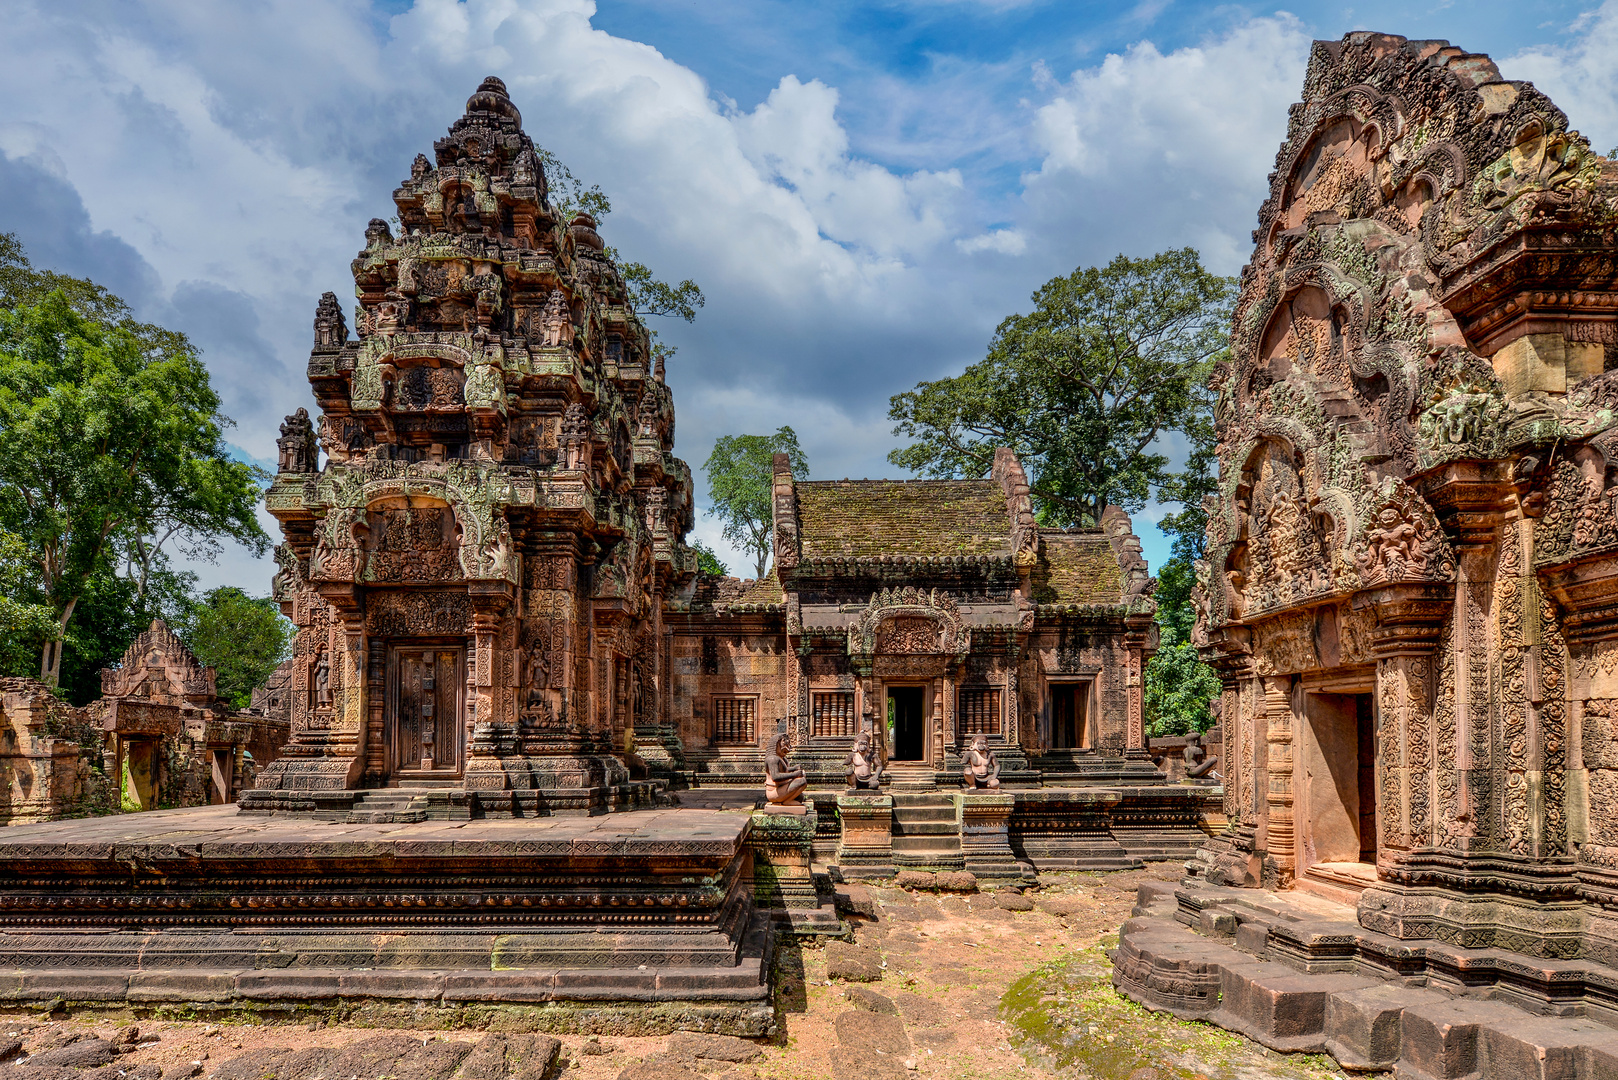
point(1010, 733)
point(485, 736)
point(935, 723)
point(985, 825)
point(1233, 858)
point(866, 847)
point(1280, 838)
point(1136, 738)
point(1411, 619)
point(349, 667)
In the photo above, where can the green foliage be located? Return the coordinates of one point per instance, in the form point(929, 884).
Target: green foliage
point(1109, 359)
point(568, 191)
point(110, 446)
point(111, 610)
point(708, 561)
point(740, 482)
point(649, 296)
point(1179, 686)
point(1175, 614)
point(243, 638)
point(24, 623)
point(1188, 529)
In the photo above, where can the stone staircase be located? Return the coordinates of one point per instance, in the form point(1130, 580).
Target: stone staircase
point(429, 800)
point(926, 832)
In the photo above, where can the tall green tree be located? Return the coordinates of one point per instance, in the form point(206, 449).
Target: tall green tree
point(1187, 528)
point(110, 434)
point(1082, 387)
point(1179, 686)
point(741, 478)
point(243, 638)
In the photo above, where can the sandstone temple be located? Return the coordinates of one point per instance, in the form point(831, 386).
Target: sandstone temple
point(1411, 591)
point(503, 768)
point(495, 603)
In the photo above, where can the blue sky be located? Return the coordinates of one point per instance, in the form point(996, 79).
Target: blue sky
point(862, 189)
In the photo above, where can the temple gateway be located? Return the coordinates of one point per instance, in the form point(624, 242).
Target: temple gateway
point(1411, 591)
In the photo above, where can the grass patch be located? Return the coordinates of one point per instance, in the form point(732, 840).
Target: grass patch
point(1065, 1017)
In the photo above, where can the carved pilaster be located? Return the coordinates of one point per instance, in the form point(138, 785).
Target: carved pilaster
point(1280, 841)
point(1411, 618)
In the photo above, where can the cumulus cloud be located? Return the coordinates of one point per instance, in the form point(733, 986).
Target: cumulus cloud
point(1579, 73)
point(1168, 149)
point(217, 165)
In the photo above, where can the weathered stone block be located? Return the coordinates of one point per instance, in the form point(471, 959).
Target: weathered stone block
point(1440, 1040)
point(1363, 1027)
point(853, 963)
point(866, 847)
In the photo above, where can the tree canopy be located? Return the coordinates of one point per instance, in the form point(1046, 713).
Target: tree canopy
point(708, 560)
point(243, 638)
point(741, 478)
point(1082, 388)
point(110, 443)
point(647, 294)
point(1179, 686)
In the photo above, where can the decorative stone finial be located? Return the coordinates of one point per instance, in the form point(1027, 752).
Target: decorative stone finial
point(491, 97)
point(583, 228)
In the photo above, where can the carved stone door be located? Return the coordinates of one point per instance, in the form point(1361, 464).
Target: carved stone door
point(425, 726)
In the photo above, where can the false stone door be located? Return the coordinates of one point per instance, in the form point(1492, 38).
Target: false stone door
point(425, 728)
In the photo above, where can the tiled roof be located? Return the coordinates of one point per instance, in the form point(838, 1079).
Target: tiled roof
point(858, 518)
point(1077, 568)
point(729, 591)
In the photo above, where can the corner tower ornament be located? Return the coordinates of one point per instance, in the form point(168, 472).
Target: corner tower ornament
point(442, 568)
point(1411, 583)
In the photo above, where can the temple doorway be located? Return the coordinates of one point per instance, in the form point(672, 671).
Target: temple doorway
point(424, 727)
point(907, 722)
point(1336, 807)
point(1068, 715)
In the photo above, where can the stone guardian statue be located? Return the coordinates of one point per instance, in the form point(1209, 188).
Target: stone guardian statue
point(864, 765)
point(982, 770)
point(783, 783)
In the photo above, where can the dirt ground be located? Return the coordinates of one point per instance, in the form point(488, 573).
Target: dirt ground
point(979, 991)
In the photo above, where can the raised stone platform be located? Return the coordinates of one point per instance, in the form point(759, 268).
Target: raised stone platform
point(1299, 974)
point(647, 914)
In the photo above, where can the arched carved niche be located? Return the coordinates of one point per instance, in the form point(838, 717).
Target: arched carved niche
point(1288, 559)
point(1330, 175)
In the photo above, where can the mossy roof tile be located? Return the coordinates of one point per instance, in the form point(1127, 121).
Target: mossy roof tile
point(924, 518)
point(1077, 568)
point(724, 591)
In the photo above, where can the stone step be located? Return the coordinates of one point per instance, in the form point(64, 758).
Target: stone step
point(926, 817)
point(925, 828)
point(916, 800)
point(1366, 1021)
point(926, 843)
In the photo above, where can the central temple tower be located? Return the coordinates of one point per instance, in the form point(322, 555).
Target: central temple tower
point(477, 571)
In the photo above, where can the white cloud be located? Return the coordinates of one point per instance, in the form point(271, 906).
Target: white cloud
point(230, 155)
point(1580, 73)
point(794, 137)
point(1001, 241)
point(1149, 149)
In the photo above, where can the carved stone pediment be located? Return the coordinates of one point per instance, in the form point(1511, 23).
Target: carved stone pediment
point(909, 621)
